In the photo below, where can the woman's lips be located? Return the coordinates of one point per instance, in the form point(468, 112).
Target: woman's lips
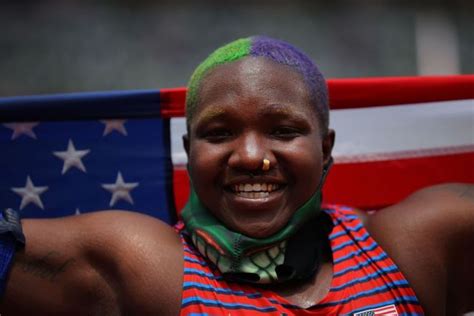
point(255, 196)
point(254, 190)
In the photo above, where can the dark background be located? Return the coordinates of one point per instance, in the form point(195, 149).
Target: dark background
point(72, 46)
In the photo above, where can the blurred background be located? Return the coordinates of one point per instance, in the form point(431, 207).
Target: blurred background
point(73, 46)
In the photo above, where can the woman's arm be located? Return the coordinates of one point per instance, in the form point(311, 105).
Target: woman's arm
point(430, 235)
point(460, 244)
point(105, 263)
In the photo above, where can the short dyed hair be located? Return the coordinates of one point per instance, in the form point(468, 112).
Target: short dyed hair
point(273, 49)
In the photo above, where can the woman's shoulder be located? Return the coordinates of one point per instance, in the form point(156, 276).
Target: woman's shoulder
point(444, 210)
point(127, 226)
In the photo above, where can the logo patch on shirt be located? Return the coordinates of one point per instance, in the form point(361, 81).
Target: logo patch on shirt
point(389, 310)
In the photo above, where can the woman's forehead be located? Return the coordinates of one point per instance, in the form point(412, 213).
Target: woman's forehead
point(256, 78)
point(262, 88)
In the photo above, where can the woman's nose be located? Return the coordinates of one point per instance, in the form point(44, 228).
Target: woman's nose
point(248, 152)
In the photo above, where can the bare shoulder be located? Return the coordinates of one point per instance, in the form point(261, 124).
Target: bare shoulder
point(460, 195)
point(445, 209)
point(125, 226)
point(146, 257)
point(430, 235)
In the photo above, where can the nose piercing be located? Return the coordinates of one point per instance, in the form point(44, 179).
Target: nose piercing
point(266, 165)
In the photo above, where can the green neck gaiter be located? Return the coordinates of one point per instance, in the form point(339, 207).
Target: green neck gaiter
point(248, 259)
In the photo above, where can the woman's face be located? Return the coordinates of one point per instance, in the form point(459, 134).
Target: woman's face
point(251, 110)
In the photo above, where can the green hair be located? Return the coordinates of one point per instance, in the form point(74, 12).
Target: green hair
point(225, 54)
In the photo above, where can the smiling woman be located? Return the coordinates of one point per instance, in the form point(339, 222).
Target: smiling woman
point(250, 110)
point(254, 238)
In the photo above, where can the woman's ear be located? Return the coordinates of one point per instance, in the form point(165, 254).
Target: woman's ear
point(328, 144)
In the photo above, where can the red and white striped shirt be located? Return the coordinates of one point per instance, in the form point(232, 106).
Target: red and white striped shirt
point(365, 281)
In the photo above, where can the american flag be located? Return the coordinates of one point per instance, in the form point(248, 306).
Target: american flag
point(388, 310)
point(75, 153)
point(52, 169)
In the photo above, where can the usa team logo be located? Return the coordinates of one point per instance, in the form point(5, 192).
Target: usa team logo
point(389, 310)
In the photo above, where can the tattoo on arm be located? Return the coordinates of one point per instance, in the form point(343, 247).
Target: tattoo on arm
point(44, 268)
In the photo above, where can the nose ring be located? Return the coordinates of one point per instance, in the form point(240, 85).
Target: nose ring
point(266, 165)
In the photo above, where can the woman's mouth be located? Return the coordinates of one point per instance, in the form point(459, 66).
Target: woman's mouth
point(254, 190)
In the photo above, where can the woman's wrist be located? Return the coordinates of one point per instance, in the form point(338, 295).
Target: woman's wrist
point(11, 238)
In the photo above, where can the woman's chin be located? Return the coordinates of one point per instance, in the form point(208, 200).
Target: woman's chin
point(257, 230)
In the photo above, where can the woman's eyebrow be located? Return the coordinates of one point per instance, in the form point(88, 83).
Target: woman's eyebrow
point(275, 110)
point(283, 111)
point(210, 114)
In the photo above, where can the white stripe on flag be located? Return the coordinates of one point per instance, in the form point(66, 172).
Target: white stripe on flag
point(407, 128)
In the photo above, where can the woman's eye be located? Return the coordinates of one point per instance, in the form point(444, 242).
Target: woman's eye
point(217, 135)
point(285, 132)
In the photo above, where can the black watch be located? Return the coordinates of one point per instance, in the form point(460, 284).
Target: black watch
point(10, 224)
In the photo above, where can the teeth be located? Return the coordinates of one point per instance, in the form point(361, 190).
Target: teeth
point(256, 189)
point(254, 195)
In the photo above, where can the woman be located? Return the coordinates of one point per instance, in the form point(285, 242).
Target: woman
point(255, 239)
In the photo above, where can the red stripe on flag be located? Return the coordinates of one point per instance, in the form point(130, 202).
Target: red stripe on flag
point(180, 187)
point(375, 184)
point(369, 92)
point(364, 92)
point(172, 102)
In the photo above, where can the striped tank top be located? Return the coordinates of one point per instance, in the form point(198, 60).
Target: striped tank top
point(365, 281)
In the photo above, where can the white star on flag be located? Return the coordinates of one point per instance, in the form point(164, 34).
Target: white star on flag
point(72, 157)
point(30, 194)
point(22, 129)
point(114, 125)
point(120, 190)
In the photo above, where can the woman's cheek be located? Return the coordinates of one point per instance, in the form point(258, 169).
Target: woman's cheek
point(204, 160)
